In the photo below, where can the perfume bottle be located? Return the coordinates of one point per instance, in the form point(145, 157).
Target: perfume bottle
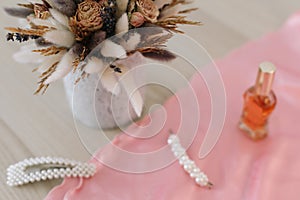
point(259, 103)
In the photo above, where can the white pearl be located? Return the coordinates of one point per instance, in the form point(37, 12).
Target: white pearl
point(188, 165)
point(196, 170)
point(170, 141)
point(201, 181)
point(16, 173)
point(193, 175)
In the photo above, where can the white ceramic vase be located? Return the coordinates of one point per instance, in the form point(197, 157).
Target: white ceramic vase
point(92, 104)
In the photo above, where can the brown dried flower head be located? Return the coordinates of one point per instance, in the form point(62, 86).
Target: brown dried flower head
point(87, 19)
point(137, 19)
point(41, 11)
point(148, 9)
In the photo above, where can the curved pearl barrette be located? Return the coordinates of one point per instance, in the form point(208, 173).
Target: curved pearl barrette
point(47, 168)
point(189, 165)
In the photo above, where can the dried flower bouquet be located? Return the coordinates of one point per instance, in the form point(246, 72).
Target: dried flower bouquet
point(61, 33)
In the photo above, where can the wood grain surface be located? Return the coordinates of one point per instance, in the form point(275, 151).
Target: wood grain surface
point(43, 125)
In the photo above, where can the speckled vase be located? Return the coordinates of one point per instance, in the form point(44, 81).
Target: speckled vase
point(94, 106)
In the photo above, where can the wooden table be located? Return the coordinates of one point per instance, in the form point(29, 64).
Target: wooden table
point(43, 125)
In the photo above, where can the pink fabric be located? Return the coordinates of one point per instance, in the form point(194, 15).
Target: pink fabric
point(239, 168)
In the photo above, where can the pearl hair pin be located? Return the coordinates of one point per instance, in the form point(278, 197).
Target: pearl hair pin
point(189, 165)
point(47, 168)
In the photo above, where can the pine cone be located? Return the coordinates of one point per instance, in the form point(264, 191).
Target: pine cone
point(87, 19)
point(148, 9)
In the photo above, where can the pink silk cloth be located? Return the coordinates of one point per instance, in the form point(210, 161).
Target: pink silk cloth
point(239, 168)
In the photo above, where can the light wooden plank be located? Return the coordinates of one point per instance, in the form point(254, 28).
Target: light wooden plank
point(43, 125)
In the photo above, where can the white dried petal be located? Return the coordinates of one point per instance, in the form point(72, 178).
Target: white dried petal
point(111, 49)
point(110, 82)
point(25, 55)
point(122, 24)
point(41, 22)
point(60, 37)
point(49, 22)
point(132, 43)
point(50, 60)
point(94, 65)
point(128, 82)
point(63, 68)
point(58, 16)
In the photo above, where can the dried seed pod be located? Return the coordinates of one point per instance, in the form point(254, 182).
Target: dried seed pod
point(137, 19)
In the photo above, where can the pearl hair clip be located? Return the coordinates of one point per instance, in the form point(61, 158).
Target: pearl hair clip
point(189, 165)
point(47, 168)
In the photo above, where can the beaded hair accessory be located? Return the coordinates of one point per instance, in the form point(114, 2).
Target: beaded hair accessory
point(189, 165)
point(47, 168)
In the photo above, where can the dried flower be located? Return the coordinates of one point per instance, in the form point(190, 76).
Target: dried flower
point(148, 9)
point(87, 19)
point(108, 15)
point(157, 54)
point(88, 16)
point(131, 6)
point(52, 50)
point(41, 11)
point(113, 50)
point(33, 32)
point(137, 19)
point(18, 12)
point(10, 36)
point(66, 31)
point(18, 37)
point(173, 14)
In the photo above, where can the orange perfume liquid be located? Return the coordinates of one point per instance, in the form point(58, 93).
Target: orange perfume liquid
point(259, 103)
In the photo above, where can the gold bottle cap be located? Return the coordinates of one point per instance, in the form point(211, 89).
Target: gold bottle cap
point(265, 78)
